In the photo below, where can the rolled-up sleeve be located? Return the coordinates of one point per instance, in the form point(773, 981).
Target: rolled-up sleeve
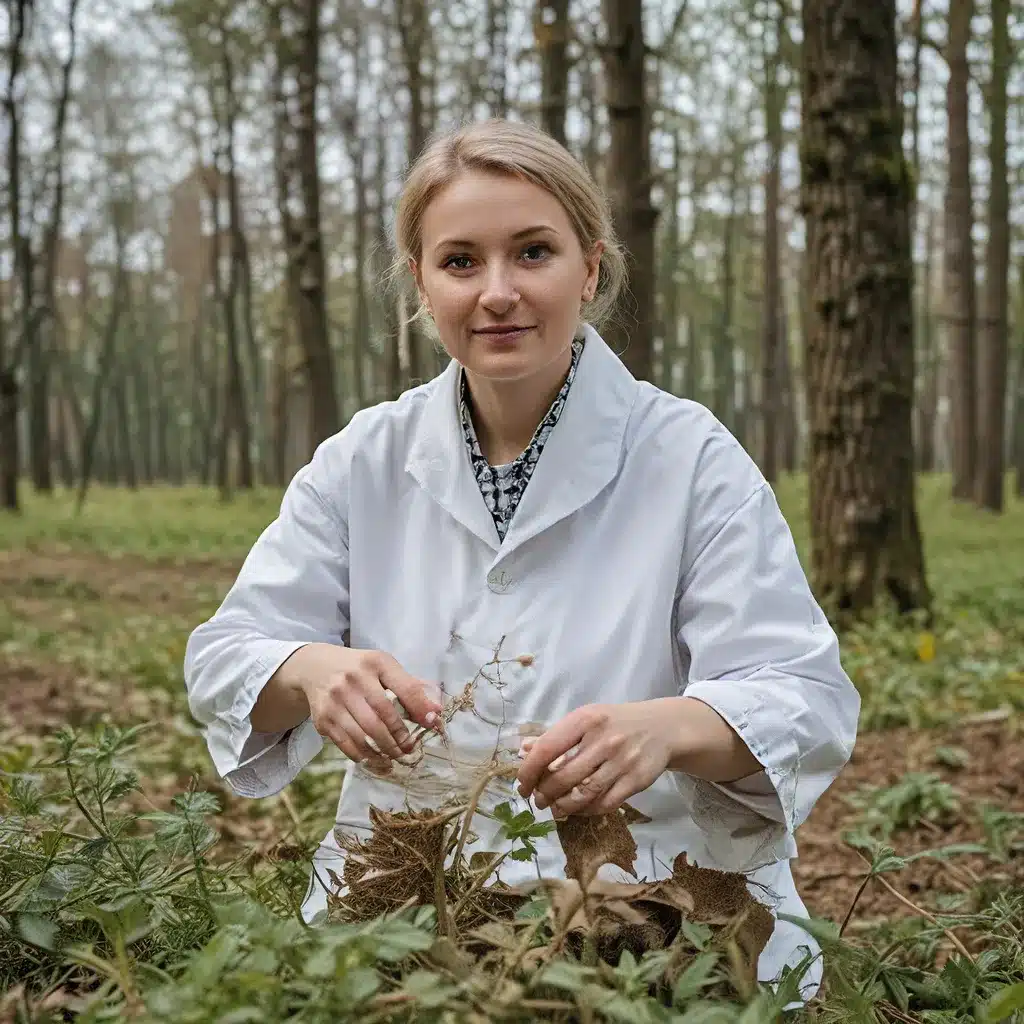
point(759, 650)
point(292, 590)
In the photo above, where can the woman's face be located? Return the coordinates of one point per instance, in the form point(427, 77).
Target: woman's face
point(503, 275)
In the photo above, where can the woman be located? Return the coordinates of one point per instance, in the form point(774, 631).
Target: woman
point(554, 561)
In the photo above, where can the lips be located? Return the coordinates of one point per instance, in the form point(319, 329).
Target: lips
point(502, 330)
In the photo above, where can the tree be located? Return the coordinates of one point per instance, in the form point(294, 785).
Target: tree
point(992, 354)
point(295, 38)
point(959, 256)
point(855, 194)
point(629, 176)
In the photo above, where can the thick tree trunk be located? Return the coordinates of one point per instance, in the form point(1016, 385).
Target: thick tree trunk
point(993, 349)
point(959, 257)
point(298, 182)
point(860, 362)
point(629, 179)
point(551, 35)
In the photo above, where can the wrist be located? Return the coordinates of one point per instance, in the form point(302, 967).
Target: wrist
point(705, 746)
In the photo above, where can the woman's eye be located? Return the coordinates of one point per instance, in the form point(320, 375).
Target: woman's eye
point(458, 262)
point(536, 252)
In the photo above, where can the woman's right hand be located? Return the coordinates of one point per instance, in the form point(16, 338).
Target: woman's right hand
point(348, 703)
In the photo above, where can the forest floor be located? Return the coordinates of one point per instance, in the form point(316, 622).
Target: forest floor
point(95, 611)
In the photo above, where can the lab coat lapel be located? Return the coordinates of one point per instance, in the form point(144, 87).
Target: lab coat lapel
point(584, 451)
point(439, 460)
point(581, 456)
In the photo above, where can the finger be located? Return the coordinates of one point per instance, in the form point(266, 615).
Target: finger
point(346, 724)
point(421, 699)
point(347, 744)
point(559, 739)
point(384, 708)
point(590, 790)
point(616, 796)
point(556, 782)
point(370, 724)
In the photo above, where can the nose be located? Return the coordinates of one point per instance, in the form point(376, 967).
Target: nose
point(499, 294)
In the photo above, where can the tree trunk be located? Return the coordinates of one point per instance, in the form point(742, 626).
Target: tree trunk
point(860, 362)
point(629, 179)
point(18, 15)
point(497, 57)
point(772, 312)
point(1018, 421)
point(551, 35)
point(723, 346)
point(959, 256)
point(298, 180)
point(993, 349)
point(787, 397)
point(928, 398)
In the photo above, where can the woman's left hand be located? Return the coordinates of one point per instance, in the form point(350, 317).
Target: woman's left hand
point(620, 749)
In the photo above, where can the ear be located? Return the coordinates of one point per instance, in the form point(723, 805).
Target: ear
point(417, 273)
point(593, 263)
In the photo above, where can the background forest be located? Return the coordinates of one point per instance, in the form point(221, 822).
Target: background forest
point(823, 207)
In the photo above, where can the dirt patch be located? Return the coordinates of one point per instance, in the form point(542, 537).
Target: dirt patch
point(156, 585)
point(991, 773)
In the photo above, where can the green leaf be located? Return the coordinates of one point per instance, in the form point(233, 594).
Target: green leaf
point(564, 974)
point(524, 853)
point(357, 985)
point(38, 931)
point(694, 978)
point(395, 940)
point(1005, 1003)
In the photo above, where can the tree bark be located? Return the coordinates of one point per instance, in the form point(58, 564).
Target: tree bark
point(928, 395)
point(860, 365)
point(551, 35)
point(993, 348)
point(771, 342)
point(19, 14)
point(959, 255)
point(629, 179)
point(298, 181)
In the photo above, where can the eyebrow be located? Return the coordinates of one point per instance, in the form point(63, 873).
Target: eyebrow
point(536, 229)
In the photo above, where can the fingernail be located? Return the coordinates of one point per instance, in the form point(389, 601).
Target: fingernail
point(431, 718)
point(557, 763)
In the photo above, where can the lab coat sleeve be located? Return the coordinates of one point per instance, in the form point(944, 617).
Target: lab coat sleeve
point(292, 590)
point(762, 654)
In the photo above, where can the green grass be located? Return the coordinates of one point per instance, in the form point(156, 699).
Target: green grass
point(101, 604)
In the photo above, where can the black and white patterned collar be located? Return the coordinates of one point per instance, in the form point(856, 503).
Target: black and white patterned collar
point(502, 487)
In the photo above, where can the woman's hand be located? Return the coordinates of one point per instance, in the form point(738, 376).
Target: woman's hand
point(600, 755)
point(348, 704)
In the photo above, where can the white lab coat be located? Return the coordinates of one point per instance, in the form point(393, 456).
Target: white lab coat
point(647, 558)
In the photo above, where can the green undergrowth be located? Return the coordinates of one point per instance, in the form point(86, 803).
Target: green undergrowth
point(126, 891)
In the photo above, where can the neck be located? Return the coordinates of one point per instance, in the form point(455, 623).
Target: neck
point(506, 414)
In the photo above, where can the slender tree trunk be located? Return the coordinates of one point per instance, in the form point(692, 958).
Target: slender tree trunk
point(497, 57)
point(723, 354)
point(551, 35)
point(669, 285)
point(629, 178)
point(860, 368)
point(928, 402)
point(787, 397)
point(1018, 420)
point(18, 14)
point(119, 299)
point(959, 256)
point(993, 349)
point(772, 313)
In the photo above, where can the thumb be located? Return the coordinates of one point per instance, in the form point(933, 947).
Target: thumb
point(419, 697)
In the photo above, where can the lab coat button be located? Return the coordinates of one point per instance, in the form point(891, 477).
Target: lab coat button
point(499, 581)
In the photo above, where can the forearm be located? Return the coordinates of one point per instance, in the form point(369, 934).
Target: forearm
point(282, 703)
point(709, 748)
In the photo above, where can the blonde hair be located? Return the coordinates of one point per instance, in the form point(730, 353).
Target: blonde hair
point(519, 151)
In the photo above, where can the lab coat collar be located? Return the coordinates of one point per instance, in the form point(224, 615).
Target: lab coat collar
point(581, 456)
